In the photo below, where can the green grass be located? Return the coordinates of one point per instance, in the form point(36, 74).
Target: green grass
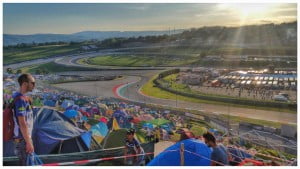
point(53, 67)
point(139, 60)
point(30, 53)
point(253, 121)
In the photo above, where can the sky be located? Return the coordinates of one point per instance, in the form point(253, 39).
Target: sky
point(64, 18)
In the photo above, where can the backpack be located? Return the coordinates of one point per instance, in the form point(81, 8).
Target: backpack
point(8, 118)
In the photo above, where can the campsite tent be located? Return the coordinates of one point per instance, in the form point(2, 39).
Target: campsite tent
point(121, 118)
point(146, 117)
point(54, 133)
point(191, 147)
point(81, 101)
point(67, 103)
point(50, 103)
point(148, 125)
point(159, 122)
point(99, 129)
point(71, 113)
point(37, 102)
point(114, 139)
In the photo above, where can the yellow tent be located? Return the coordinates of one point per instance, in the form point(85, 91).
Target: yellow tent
point(115, 125)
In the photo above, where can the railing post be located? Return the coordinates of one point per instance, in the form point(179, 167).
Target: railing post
point(182, 154)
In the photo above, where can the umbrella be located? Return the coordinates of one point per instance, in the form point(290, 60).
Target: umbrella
point(196, 153)
point(70, 113)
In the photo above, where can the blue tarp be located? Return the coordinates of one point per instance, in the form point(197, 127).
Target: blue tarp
point(173, 158)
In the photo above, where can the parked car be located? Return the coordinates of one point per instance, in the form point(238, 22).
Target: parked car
point(280, 98)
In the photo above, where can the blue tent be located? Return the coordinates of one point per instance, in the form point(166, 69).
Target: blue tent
point(67, 103)
point(73, 107)
point(54, 133)
point(122, 118)
point(166, 127)
point(149, 125)
point(50, 103)
point(71, 113)
point(190, 145)
point(99, 129)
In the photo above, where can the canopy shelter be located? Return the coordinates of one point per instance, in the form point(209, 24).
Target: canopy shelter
point(196, 154)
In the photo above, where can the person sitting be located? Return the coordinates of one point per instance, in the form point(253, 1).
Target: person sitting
point(219, 155)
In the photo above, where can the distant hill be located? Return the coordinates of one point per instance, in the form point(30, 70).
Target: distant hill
point(267, 35)
point(10, 39)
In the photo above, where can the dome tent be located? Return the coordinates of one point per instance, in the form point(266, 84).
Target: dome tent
point(54, 133)
point(67, 103)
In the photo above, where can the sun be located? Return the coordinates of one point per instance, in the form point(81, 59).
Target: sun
point(245, 10)
point(251, 10)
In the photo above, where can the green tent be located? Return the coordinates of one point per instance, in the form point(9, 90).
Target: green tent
point(7, 91)
point(81, 102)
point(92, 122)
point(114, 139)
point(37, 102)
point(159, 122)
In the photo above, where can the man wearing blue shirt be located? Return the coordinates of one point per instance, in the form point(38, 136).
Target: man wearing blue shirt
point(219, 155)
point(23, 119)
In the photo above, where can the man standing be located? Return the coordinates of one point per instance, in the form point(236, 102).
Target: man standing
point(23, 119)
point(132, 147)
point(219, 156)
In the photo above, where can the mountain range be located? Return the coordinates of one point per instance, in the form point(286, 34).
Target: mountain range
point(13, 39)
